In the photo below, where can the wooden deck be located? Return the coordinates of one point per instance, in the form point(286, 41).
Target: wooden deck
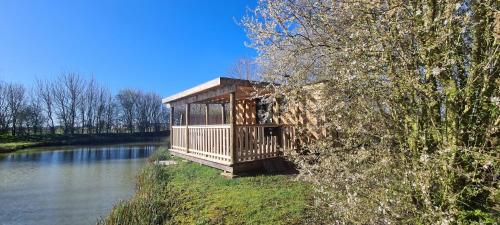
point(211, 144)
point(241, 144)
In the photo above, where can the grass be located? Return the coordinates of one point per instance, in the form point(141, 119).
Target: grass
point(189, 193)
point(9, 143)
point(10, 146)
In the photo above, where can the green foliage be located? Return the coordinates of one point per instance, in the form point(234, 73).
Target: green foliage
point(150, 206)
point(476, 217)
point(190, 193)
point(410, 101)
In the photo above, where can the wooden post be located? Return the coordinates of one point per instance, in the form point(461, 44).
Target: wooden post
point(232, 137)
point(223, 113)
point(277, 113)
point(206, 113)
point(188, 113)
point(171, 124)
point(277, 116)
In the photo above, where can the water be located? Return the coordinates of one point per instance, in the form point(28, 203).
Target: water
point(67, 185)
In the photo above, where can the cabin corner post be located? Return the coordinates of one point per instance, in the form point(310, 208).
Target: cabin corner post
point(188, 114)
point(170, 127)
point(277, 117)
point(232, 137)
point(207, 108)
point(277, 112)
point(223, 105)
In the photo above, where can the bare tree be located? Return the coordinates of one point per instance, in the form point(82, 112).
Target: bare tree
point(244, 68)
point(155, 110)
point(103, 97)
point(76, 104)
point(67, 92)
point(15, 101)
point(148, 110)
point(33, 113)
point(91, 95)
point(128, 101)
point(110, 113)
point(83, 108)
point(142, 112)
point(45, 93)
point(162, 118)
point(61, 104)
point(3, 107)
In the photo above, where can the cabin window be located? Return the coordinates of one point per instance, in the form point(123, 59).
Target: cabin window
point(264, 111)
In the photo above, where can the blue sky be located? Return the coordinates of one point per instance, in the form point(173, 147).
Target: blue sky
point(155, 45)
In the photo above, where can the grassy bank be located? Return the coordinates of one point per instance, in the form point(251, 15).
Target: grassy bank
point(189, 193)
point(10, 143)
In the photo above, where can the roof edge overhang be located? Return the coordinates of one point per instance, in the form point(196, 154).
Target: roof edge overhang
point(218, 83)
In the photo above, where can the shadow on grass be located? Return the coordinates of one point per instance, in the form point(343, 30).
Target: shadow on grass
point(272, 167)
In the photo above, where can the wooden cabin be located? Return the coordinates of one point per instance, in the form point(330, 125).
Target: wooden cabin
point(224, 123)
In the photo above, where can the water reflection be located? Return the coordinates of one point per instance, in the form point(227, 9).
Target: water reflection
point(81, 155)
point(67, 186)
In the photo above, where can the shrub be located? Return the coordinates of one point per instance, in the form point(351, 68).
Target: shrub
point(409, 101)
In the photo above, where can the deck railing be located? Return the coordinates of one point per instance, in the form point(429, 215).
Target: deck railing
point(178, 137)
point(209, 142)
point(288, 137)
point(253, 142)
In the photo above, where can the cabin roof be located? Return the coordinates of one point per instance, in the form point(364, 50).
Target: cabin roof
point(211, 89)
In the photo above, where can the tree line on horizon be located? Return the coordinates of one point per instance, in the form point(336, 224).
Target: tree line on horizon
point(71, 104)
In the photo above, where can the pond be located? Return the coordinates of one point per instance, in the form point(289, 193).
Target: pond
point(70, 185)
